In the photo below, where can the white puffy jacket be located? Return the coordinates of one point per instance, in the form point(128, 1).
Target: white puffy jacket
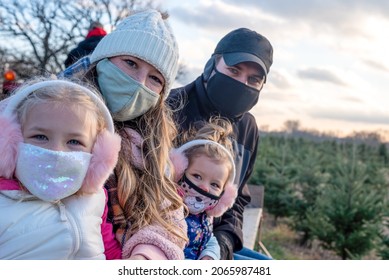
point(34, 229)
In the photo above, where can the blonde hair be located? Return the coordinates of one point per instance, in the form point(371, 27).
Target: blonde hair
point(61, 96)
point(218, 130)
point(149, 195)
point(142, 194)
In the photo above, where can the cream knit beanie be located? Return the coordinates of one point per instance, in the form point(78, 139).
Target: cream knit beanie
point(147, 36)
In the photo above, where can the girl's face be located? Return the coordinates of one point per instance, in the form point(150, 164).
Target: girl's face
point(207, 174)
point(141, 71)
point(59, 129)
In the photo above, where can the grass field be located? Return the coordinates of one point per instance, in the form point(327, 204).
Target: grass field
point(283, 243)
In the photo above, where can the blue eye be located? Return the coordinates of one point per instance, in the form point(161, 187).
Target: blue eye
point(233, 70)
point(156, 79)
point(256, 81)
point(74, 142)
point(40, 137)
point(131, 63)
point(197, 176)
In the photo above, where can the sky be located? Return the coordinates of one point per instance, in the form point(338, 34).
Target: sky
point(330, 67)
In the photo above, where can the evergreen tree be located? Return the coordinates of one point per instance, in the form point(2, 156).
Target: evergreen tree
point(311, 179)
point(274, 172)
point(383, 250)
point(348, 215)
point(383, 153)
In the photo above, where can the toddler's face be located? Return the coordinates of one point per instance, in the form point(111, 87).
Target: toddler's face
point(59, 129)
point(207, 174)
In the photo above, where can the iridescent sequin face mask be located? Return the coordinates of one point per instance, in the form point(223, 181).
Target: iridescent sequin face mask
point(51, 175)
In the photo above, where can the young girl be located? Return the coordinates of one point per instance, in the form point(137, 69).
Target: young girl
point(134, 67)
point(205, 171)
point(58, 147)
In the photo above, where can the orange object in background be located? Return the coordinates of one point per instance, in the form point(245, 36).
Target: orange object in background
point(10, 75)
point(10, 82)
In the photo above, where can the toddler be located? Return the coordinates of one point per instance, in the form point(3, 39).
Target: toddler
point(205, 172)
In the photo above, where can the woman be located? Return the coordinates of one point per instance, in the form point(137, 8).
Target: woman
point(134, 67)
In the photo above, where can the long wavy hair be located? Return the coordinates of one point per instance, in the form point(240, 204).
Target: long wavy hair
point(148, 195)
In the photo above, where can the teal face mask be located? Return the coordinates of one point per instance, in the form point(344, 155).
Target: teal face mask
point(126, 98)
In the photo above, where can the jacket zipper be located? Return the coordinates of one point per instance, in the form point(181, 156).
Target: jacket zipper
point(75, 229)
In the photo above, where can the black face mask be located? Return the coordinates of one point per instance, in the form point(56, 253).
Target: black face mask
point(230, 97)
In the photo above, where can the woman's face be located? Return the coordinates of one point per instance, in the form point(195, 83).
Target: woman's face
point(141, 71)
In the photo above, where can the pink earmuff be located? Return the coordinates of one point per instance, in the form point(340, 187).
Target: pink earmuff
point(180, 163)
point(10, 137)
point(104, 158)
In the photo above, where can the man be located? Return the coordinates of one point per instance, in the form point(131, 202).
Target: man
point(96, 32)
point(229, 87)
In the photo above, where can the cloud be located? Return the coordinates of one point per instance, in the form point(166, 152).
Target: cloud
point(208, 17)
point(371, 117)
point(321, 75)
point(190, 73)
point(220, 16)
point(279, 80)
point(352, 99)
point(332, 16)
point(332, 10)
point(376, 65)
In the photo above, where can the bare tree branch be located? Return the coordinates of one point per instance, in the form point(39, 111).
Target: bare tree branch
point(42, 32)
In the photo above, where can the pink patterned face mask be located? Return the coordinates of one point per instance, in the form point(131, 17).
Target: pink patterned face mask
point(196, 199)
point(51, 175)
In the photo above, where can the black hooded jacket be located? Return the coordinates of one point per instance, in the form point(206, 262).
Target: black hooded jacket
point(194, 106)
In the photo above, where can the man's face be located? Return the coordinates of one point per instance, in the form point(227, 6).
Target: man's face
point(248, 73)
